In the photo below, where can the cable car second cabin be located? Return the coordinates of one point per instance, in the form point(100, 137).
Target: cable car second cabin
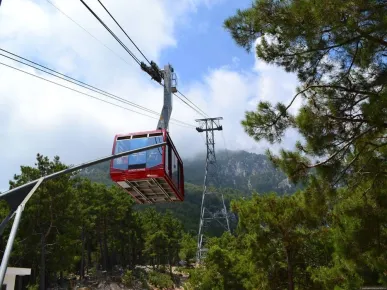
point(151, 176)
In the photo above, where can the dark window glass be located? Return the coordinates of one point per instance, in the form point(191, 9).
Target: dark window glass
point(154, 156)
point(175, 169)
point(167, 159)
point(122, 162)
point(137, 160)
point(145, 159)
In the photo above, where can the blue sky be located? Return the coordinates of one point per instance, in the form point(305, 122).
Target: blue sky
point(203, 43)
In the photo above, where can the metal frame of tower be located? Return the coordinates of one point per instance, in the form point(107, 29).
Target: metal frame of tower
point(211, 177)
point(169, 88)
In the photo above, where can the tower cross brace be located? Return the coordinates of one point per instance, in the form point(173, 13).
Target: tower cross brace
point(215, 212)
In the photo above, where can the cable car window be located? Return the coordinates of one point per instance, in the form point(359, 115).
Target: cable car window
point(175, 169)
point(122, 162)
point(137, 160)
point(154, 156)
point(133, 161)
point(167, 159)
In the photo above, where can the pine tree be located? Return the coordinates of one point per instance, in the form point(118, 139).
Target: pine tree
point(48, 227)
point(338, 50)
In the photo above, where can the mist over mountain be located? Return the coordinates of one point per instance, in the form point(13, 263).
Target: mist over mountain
point(240, 174)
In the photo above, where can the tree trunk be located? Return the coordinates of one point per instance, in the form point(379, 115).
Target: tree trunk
point(170, 265)
point(122, 255)
point(290, 269)
point(88, 255)
point(103, 261)
point(61, 278)
point(42, 281)
point(105, 248)
point(133, 250)
point(82, 272)
point(106, 254)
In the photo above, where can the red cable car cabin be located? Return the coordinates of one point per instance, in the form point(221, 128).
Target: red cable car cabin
point(151, 176)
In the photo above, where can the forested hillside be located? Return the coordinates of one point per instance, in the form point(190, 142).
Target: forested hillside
point(240, 172)
point(332, 234)
point(72, 226)
point(83, 224)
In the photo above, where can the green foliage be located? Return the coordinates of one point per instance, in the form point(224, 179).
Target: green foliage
point(33, 287)
point(277, 240)
point(160, 280)
point(188, 247)
point(330, 235)
point(127, 278)
point(337, 48)
point(162, 237)
point(73, 225)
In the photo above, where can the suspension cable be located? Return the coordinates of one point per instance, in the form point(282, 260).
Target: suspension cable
point(202, 112)
point(124, 31)
point(84, 29)
point(180, 123)
point(197, 109)
point(112, 33)
point(82, 84)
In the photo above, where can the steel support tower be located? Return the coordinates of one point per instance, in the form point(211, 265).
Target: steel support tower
point(214, 212)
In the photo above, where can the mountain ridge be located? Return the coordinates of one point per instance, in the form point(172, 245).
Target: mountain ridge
point(240, 173)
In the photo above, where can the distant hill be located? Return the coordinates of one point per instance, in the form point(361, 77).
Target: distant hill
point(240, 174)
point(241, 170)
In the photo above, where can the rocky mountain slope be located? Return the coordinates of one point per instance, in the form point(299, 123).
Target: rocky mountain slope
point(240, 172)
point(243, 171)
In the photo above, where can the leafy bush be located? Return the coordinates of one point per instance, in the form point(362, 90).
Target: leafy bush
point(160, 280)
point(33, 287)
point(127, 278)
point(142, 276)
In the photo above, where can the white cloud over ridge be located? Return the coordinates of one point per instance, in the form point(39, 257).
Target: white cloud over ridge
point(36, 116)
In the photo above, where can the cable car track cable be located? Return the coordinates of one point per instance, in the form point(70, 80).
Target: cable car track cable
point(76, 23)
point(111, 32)
point(203, 113)
point(123, 31)
point(9, 66)
point(84, 85)
point(186, 103)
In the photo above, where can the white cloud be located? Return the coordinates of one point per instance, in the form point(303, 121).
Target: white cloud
point(36, 116)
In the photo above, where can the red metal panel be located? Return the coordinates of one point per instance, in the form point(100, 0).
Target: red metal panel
point(155, 172)
point(140, 133)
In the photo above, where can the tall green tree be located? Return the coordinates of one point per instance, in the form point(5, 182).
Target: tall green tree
point(47, 232)
point(188, 246)
point(279, 240)
point(338, 50)
point(162, 236)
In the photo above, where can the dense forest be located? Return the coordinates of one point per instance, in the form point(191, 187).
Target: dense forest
point(92, 226)
point(321, 221)
point(332, 233)
point(73, 226)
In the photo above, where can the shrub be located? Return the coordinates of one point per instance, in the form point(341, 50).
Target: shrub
point(160, 280)
point(127, 278)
